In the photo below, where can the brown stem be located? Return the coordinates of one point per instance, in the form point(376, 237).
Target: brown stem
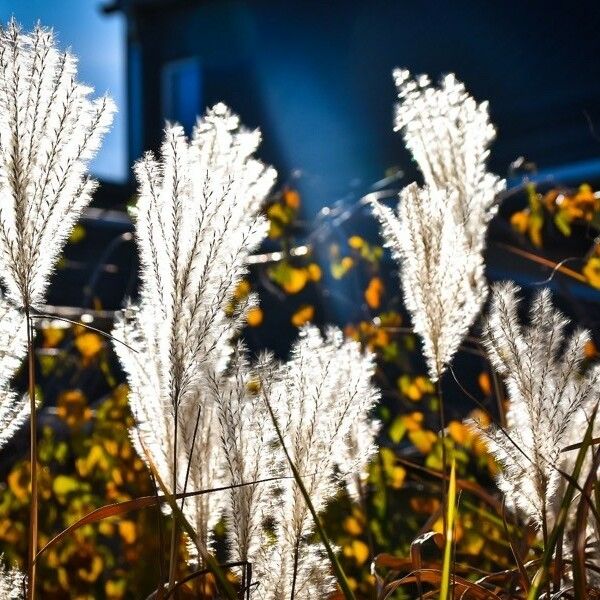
point(33, 506)
point(443, 437)
point(175, 530)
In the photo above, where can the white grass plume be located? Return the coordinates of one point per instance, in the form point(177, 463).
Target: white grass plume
point(449, 133)
point(248, 439)
point(14, 410)
point(438, 234)
point(12, 583)
point(317, 397)
point(197, 220)
point(49, 131)
point(549, 396)
point(442, 280)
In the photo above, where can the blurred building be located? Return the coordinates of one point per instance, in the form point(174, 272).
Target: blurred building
point(316, 77)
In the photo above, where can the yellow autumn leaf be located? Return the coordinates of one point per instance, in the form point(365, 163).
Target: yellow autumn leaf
point(352, 526)
point(52, 336)
point(115, 590)
point(63, 485)
point(484, 383)
point(254, 316)
point(89, 344)
point(93, 571)
point(422, 440)
point(591, 271)
point(275, 230)
point(589, 350)
point(128, 531)
point(291, 198)
point(396, 475)
point(424, 384)
point(295, 280)
point(360, 551)
point(72, 408)
point(303, 315)
point(413, 421)
point(77, 234)
point(459, 432)
point(277, 213)
point(373, 292)
point(355, 242)
point(520, 221)
point(242, 289)
point(314, 272)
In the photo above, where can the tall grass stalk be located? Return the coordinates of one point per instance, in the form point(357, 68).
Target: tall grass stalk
point(33, 506)
point(449, 535)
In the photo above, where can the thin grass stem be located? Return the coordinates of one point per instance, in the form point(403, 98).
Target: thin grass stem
point(33, 506)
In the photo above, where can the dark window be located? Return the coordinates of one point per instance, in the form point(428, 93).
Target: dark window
point(182, 91)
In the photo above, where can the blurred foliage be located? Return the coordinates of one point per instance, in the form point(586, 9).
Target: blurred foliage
point(561, 211)
point(87, 460)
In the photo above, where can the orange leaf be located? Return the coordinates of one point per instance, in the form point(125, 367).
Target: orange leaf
point(373, 292)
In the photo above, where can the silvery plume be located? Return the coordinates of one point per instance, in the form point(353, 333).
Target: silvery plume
point(198, 218)
point(438, 232)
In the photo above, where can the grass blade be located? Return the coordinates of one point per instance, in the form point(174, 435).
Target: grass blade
point(450, 517)
point(542, 572)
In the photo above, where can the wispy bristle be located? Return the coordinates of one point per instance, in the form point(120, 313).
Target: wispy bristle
point(549, 399)
point(438, 234)
point(49, 131)
point(197, 220)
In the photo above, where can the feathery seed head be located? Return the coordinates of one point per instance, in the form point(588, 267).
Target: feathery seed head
point(550, 397)
point(49, 131)
point(438, 232)
point(197, 220)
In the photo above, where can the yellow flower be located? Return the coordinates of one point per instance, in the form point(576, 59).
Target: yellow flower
point(254, 317)
point(303, 315)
